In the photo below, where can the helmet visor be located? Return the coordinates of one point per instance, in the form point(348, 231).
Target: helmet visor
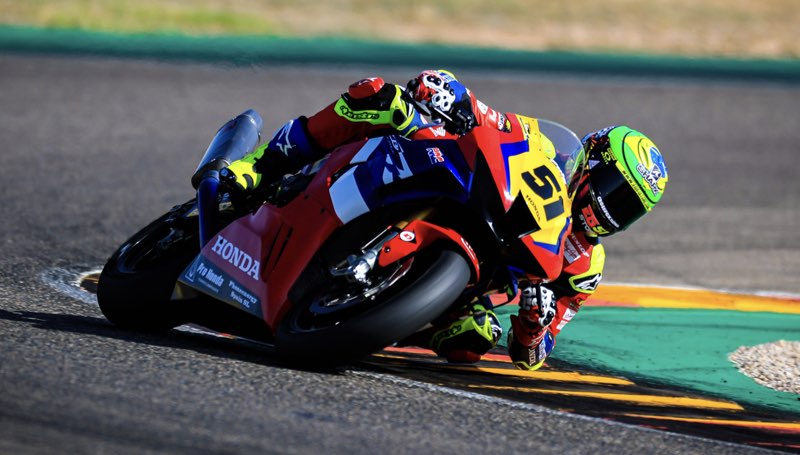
point(615, 202)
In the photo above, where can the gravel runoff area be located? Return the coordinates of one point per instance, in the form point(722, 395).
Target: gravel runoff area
point(774, 365)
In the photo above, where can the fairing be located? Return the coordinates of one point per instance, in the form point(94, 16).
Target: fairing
point(537, 162)
point(282, 239)
point(381, 164)
point(254, 262)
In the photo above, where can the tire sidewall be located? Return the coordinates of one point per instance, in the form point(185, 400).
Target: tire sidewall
point(140, 299)
point(423, 299)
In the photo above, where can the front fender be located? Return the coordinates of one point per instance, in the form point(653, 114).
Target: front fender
point(418, 235)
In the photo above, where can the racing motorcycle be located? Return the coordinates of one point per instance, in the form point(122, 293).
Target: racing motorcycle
point(356, 251)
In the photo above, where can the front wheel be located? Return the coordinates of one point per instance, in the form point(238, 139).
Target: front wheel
point(316, 337)
point(136, 283)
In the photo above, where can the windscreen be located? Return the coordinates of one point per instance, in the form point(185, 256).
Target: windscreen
point(570, 156)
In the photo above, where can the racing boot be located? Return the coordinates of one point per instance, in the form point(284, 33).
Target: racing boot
point(289, 150)
point(528, 345)
point(465, 337)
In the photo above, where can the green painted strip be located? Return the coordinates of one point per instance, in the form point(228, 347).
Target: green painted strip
point(248, 50)
point(687, 349)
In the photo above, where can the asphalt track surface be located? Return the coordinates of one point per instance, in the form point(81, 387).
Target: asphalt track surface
point(94, 149)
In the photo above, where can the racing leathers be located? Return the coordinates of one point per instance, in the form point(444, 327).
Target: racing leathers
point(371, 108)
point(547, 308)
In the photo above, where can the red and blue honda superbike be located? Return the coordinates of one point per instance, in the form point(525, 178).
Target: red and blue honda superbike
point(356, 251)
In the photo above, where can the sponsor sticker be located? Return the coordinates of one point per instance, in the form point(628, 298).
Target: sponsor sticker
point(407, 236)
point(360, 115)
point(573, 249)
point(502, 123)
point(206, 275)
point(192, 271)
point(589, 218)
point(236, 257)
point(438, 131)
point(587, 284)
point(655, 173)
point(241, 296)
point(568, 315)
point(606, 212)
point(435, 155)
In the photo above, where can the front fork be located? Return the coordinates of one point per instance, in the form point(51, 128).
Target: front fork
point(399, 243)
point(208, 206)
point(358, 267)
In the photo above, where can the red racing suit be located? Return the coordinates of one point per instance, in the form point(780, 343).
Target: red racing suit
point(336, 125)
point(584, 258)
point(369, 108)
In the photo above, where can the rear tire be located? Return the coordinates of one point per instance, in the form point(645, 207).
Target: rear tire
point(432, 284)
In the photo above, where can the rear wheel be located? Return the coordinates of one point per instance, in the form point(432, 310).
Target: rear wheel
point(336, 326)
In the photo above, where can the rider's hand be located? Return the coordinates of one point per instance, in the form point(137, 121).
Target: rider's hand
point(239, 177)
point(241, 187)
point(462, 118)
point(238, 185)
point(537, 304)
point(404, 117)
point(446, 99)
point(228, 183)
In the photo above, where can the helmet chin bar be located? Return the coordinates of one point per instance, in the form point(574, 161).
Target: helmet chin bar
point(583, 207)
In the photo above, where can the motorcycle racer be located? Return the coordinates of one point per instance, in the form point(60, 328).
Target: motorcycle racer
point(624, 179)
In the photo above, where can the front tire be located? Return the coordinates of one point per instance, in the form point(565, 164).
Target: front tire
point(433, 283)
point(136, 284)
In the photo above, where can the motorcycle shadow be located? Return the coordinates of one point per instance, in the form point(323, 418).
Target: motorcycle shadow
point(186, 337)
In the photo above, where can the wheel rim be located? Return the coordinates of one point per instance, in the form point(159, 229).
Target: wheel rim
point(139, 253)
point(330, 307)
